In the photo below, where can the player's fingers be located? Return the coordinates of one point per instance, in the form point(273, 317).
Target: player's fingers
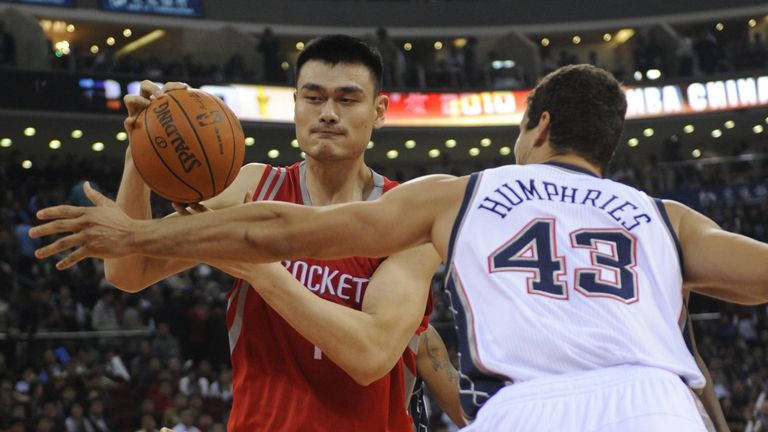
point(59, 245)
point(149, 88)
point(199, 208)
point(60, 212)
point(174, 85)
point(135, 104)
point(248, 197)
point(96, 197)
point(72, 259)
point(180, 209)
point(165, 429)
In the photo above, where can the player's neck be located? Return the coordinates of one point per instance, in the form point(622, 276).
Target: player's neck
point(575, 160)
point(338, 181)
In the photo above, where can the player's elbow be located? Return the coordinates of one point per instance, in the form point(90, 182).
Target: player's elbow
point(122, 279)
point(372, 368)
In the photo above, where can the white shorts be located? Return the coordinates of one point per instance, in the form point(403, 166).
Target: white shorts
point(617, 399)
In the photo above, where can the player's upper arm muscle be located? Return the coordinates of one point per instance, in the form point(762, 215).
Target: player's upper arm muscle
point(731, 264)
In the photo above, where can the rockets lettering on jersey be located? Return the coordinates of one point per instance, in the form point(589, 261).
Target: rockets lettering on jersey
point(326, 281)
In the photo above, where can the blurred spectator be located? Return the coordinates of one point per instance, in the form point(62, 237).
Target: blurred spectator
point(77, 422)
point(269, 47)
point(186, 424)
point(392, 57)
point(7, 47)
point(165, 345)
point(104, 315)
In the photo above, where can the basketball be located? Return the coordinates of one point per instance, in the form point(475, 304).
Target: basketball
point(187, 146)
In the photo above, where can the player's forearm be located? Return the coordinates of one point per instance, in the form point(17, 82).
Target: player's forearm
point(256, 232)
point(353, 339)
point(133, 198)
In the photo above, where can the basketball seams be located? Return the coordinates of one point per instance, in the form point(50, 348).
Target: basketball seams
point(199, 141)
point(232, 133)
point(160, 157)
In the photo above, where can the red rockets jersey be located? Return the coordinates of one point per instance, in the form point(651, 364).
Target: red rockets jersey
point(281, 381)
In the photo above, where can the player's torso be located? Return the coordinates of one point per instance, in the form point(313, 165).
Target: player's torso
point(281, 380)
point(554, 271)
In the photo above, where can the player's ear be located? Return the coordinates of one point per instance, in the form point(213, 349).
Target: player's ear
point(381, 103)
point(542, 129)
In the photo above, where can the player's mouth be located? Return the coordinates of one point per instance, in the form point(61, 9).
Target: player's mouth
point(327, 132)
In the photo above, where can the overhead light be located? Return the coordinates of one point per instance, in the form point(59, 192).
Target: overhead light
point(409, 144)
point(450, 143)
point(295, 143)
point(139, 43)
point(633, 142)
point(624, 35)
point(607, 37)
point(688, 128)
point(544, 41)
point(638, 76)
point(26, 164)
point(285, 66)
point(719, 26)
point(576, 40)
point(407, 46)
point(127, 32)
point(121, 136)
point(94, 49)
point(717, 133)
point(696, 153)
point(485, 142)
point(70, 28)
point(648, 132)
point(6, 142)
point(758, 128)
point(303, 155)
point(434, 153)
point(370, 145)
point(505, 151)
point(29, 131)
point(438, 45)
point(460, 42)
point(54, 144)
point(653, 74)
point(249, 141)
point(730, 124)
point(273, 154)
point(392, 154)
point(752, 23)
point(110, 41)
point(299, 45)
point(474, 151)
point(97, 146)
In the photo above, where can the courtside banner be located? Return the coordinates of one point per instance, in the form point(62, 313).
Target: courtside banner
point(506, 108)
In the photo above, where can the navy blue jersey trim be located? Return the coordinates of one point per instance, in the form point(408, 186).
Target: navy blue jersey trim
point(468, 194)
point(572, 168)
point(665, 217)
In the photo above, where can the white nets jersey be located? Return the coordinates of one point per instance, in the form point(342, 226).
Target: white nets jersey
point(554, 270)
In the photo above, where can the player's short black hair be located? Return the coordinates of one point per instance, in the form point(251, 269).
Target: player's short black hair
point(335, 49)
point(586, 106)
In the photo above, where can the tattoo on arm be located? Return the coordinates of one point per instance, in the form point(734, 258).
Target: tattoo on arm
point(439, 359)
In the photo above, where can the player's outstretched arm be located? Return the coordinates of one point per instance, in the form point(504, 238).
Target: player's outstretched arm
point(442, 379)
point(365, 343)
point(719, 263)
point(261, 232)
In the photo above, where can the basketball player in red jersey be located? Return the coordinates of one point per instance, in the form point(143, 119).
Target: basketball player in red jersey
point(299, 371)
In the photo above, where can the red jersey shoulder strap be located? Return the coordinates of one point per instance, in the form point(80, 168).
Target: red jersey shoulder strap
point(269, 184)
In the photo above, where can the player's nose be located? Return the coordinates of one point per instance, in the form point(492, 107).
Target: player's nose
point(329, 113)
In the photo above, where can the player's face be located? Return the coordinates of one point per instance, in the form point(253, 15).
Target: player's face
point(336, 110)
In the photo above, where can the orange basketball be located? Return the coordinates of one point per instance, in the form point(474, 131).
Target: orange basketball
point(187, 146)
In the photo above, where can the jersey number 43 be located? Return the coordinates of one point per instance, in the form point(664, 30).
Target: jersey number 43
point(534, 250)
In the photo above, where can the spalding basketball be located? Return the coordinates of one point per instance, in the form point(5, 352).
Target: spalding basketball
point(187, 146)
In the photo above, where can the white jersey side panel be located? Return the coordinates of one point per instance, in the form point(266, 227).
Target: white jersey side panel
point(554, 271)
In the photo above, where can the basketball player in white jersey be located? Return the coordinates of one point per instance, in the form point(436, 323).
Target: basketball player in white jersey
point(567, 287)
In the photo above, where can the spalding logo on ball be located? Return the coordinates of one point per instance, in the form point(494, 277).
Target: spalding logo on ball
point(187, 146)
